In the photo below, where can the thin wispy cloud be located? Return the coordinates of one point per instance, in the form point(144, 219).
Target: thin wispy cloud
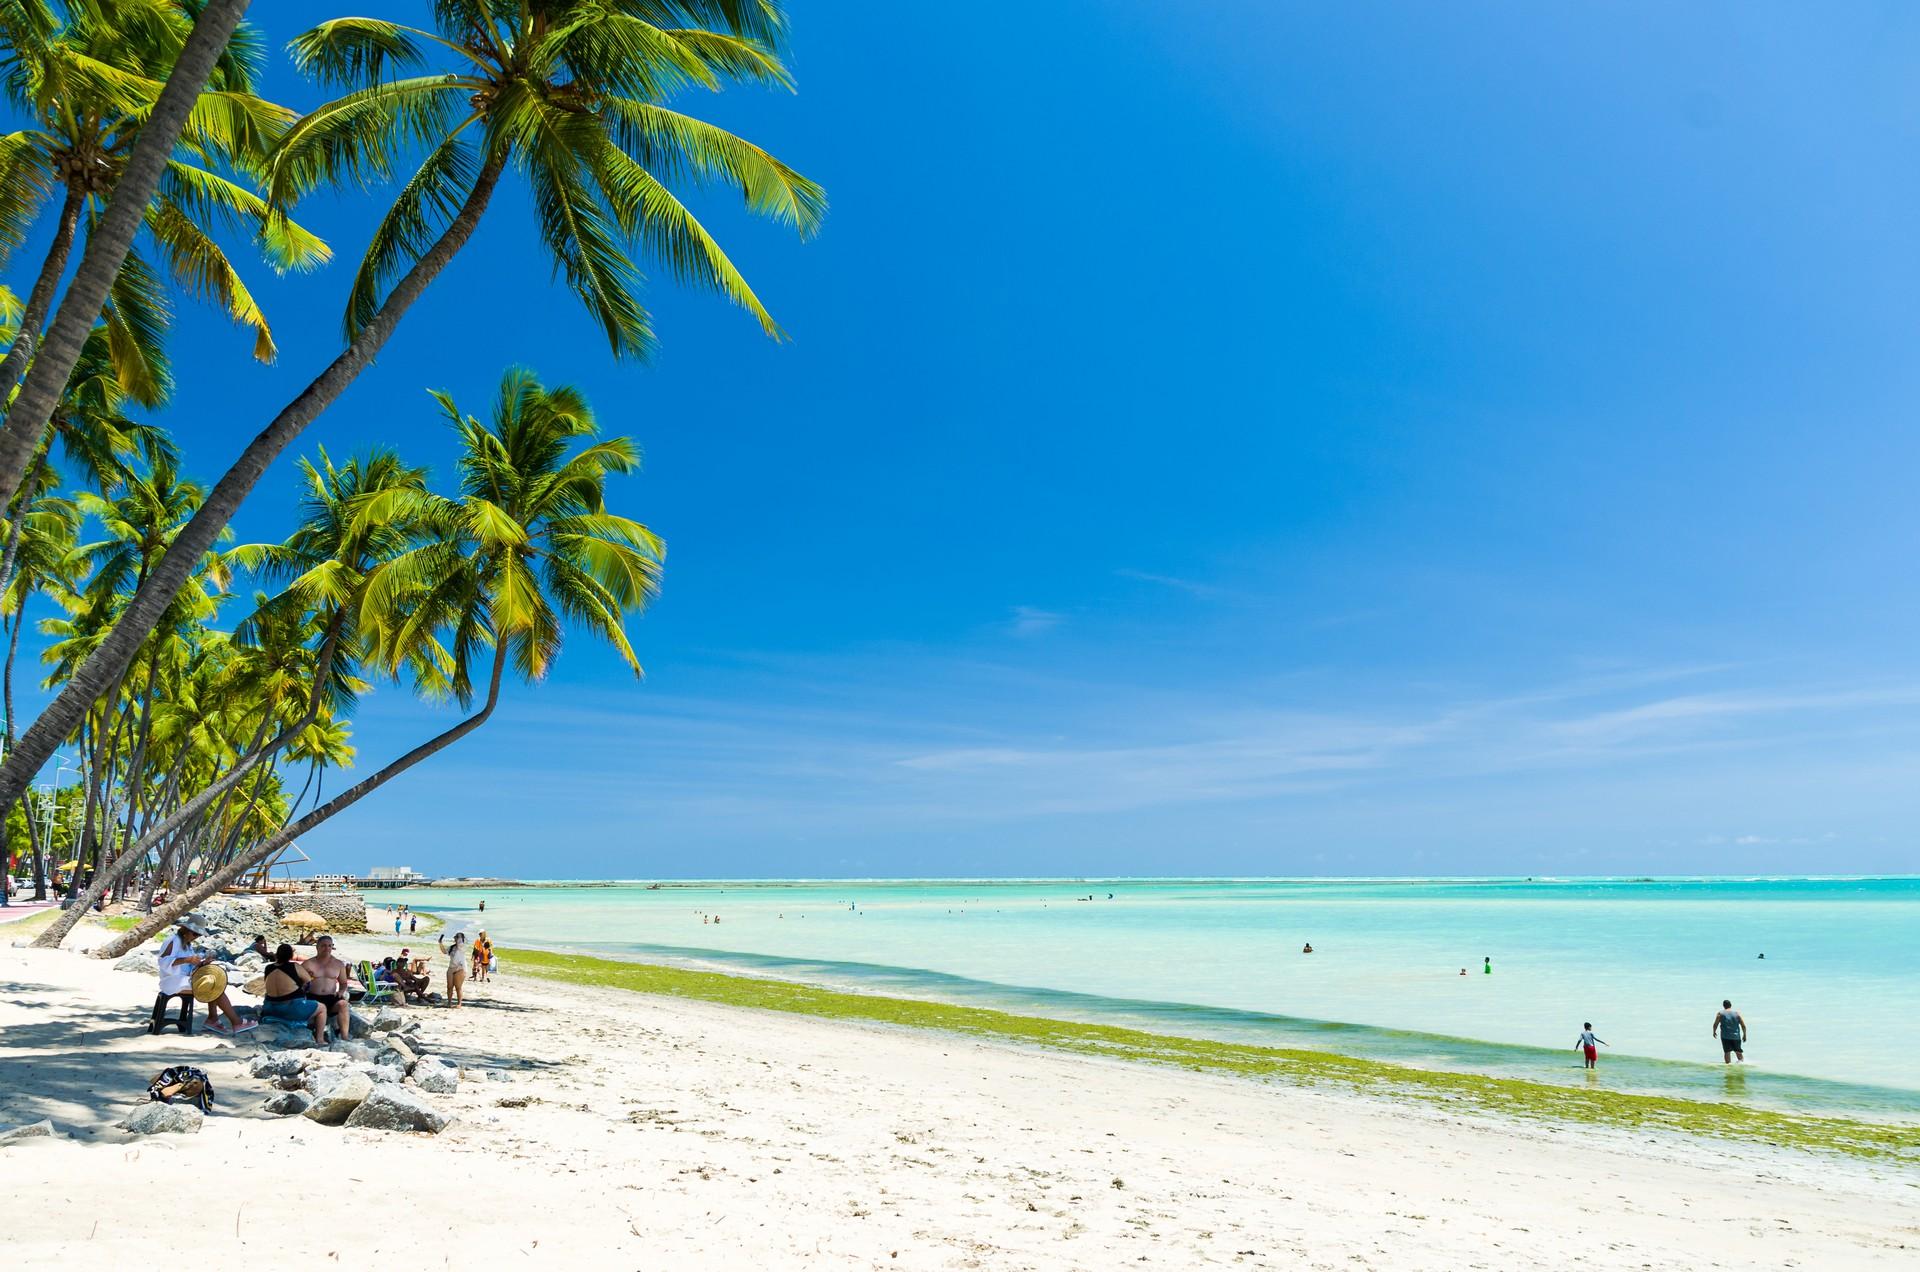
point(1029, 621)
point(896, 759)
point(1202, 591)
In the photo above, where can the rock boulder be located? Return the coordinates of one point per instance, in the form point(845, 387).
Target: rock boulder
point(163, 1119)
point(391, 1107)
point(438, 1078)
point(287, 1103)
point(336, 1094)
point(26, 1134)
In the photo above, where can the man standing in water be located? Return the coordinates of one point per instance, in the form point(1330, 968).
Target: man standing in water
point(1732, 1029)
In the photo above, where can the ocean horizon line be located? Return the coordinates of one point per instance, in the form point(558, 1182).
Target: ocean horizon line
point(700, 881)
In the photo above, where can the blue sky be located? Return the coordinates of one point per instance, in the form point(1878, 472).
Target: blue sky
point(1244, 438)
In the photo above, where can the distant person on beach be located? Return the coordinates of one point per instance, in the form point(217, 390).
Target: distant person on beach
point(1463, 971)
point(396, 925)
point(1732, 1028)
point(483, 907)
point(1590, 1043)
point(413, 924)
point(456, 968)
point(1489, 967)
point(1307, 948)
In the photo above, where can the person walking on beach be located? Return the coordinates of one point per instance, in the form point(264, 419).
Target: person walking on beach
point(1732, 1028)
point(413, 924)
point(1590, 1043)
point(457, 956)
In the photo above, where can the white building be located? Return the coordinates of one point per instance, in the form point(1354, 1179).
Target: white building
point(394, 872)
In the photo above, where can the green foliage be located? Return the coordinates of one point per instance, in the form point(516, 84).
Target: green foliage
point(573, 94)
point(1453, 1092)
point(85, 80)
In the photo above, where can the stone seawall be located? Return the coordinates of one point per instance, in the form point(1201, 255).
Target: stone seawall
point(343, 911)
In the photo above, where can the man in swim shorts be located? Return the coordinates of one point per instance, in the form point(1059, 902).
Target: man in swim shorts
point(328, 984)
point(1732, 1028)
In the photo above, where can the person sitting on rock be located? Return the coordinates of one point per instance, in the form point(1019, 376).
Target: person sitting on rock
point(285, 998)
point(327, 984)
point(410, 984)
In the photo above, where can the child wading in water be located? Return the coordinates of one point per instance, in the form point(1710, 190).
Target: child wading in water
point(1590, 1043)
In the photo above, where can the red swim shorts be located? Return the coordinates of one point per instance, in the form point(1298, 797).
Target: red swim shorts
point(1593, 1053)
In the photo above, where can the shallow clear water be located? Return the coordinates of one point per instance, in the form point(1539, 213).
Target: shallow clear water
point(1834, 1008)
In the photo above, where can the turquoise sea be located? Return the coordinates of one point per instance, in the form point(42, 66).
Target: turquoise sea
point(1833, 1008)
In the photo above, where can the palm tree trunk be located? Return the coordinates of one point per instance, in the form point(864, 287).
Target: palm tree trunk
point(40, 299)
point(106, 662)
point(266, 848)
point(251, 759)
point(39, 855)
point(108, 244)
point(12, 555)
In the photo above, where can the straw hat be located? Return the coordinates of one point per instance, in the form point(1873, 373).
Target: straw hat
point(208, 982)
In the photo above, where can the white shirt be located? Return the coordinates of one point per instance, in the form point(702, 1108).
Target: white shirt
point(176, 974)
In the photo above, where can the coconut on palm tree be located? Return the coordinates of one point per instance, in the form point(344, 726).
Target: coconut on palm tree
point(527, 548)
point(570, 94)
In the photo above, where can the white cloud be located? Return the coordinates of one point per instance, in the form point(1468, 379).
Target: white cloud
point(1028, 621)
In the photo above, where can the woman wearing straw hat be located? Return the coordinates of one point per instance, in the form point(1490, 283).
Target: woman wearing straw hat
point(189, 975)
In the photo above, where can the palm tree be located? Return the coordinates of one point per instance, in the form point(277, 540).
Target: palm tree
point(45, 559)
point(296, 653)
point(87, 87)
point(108, 242)
point(139, 524)
point(570, 92)
point(527, 547)
point(94, 433)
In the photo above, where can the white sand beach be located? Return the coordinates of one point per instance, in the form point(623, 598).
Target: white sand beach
point(630, 1131)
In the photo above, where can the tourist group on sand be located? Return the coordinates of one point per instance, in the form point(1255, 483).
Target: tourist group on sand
point(314, 992)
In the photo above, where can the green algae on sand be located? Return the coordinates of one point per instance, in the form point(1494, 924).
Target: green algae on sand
point(1456, 1092)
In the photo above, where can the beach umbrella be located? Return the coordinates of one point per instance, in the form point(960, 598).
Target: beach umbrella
point(304, 919)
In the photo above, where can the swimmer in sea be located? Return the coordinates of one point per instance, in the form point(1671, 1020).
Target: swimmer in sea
point(1307, 948)
point(1590, 1043)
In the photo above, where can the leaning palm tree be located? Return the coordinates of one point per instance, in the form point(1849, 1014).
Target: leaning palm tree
point(87, 89)
point(43, 560)
point(572, 94)
point(526, 548)
point(294, 658)
point(111, 236)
